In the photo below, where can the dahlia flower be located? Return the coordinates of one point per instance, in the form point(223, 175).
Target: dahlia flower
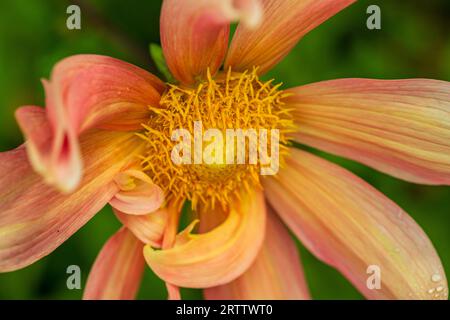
point(104, 136)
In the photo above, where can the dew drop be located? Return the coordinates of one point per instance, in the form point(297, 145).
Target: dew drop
point(430, 291)
point(439, 289)
point(436, 278)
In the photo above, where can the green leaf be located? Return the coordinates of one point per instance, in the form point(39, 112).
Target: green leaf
point(158, 57)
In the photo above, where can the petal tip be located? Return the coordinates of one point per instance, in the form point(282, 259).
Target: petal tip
point(249, 12)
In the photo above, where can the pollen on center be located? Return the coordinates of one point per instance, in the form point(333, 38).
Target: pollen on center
point(216, 170)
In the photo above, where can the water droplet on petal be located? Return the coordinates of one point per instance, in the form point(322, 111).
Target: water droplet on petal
point(439, 289)
point(436, 278)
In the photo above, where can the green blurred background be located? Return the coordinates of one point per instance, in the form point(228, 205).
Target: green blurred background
point(414, 42)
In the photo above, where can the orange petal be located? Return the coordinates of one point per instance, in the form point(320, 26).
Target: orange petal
point(118, 269)
point(35, 218)
point(153, 229)
point(348, 224)
point(194, 34)
point(138, 194)
point(148, 228)
point(285, 22)
point(169, 239)
point(275, 274)
point(218, 256)
point(84, 91)
point(400, 127)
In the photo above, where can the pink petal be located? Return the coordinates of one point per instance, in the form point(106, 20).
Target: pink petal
point(275, 274)
point(64, 170)
point(84, 92)
point(118, 269)
point(348, 224)
point(285, 22)
point(138, 194)
point(216, 257)
point(194, 34)
point(400, 127)
point(35, 218)
point(88, 91)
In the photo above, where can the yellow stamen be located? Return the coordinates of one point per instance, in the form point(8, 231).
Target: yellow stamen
point(229, 101)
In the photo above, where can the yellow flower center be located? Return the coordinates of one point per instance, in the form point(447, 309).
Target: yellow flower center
point(220, 164)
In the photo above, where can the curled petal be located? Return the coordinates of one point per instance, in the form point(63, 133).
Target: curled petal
point(64, 171)
point(400, 127)
point(348, 224)
point(118, 269)
point(148, 228)
point(88, 91)
point(218, 256)
point(276, 272)
point(35, 218)
point(284, 23)
point(138, 194)
point(194, 33)
point(84, 91)
point(185, 235)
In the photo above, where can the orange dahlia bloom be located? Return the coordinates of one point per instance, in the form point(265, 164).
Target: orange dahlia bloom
point(104, 137)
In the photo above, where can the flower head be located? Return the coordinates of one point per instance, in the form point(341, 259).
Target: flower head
point(108, 134)
point(230, 101)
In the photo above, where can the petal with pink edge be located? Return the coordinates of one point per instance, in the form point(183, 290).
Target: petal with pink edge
point(400, 127)
point(36, 218)
point(88, 91)
point(85, 91)
point(216, 257)
point(351, 226)
point(194, 33)
point(284, 23)
point(118, 269)
point(275, 274)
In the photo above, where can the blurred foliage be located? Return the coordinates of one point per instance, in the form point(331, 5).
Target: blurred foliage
point(413, 43)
